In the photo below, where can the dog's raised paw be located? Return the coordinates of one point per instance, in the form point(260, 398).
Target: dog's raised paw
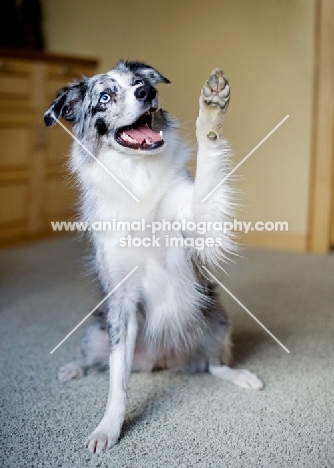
point(216, 91)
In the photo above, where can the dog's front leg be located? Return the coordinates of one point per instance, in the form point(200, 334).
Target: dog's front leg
point(213, 157)
point(122, 325)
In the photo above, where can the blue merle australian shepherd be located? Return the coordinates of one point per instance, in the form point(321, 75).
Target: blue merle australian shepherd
point(167, 313)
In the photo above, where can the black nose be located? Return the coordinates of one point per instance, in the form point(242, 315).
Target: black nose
point(145, 93)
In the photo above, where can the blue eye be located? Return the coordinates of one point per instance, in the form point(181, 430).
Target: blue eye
point(104, 98)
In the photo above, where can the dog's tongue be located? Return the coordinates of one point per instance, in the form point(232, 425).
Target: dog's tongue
point(143, 133)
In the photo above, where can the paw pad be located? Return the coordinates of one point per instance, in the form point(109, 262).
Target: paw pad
point(212, 135)
point(216, 91)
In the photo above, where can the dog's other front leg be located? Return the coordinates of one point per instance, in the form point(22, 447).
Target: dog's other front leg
point(122, 325)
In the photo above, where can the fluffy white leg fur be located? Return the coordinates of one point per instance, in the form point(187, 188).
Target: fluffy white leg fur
point(108, 431)
point(212, 148)
point(213, 161)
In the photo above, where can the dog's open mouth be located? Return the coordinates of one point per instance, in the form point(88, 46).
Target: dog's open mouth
point(140, 134)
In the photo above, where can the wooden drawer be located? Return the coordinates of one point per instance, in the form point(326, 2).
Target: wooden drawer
point(13, 203)
point(16, 141)
point(15, 147)
point(35, 186)
point(60, 75)
point(15, 80)
point(60, 199)
point(59, 145)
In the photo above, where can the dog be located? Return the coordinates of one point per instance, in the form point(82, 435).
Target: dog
point(167, 313)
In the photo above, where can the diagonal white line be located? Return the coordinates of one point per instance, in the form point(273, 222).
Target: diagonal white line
point(95, 158)
point(246, 157)
point(245, 308)
point(90, 313)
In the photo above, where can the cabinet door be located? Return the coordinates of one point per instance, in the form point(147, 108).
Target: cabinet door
point(35, 184)
point(16, 80)
point(60, 193)
point(15, 170)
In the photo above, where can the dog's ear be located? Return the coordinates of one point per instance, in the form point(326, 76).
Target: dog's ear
point(143, 70)
point(67, 103)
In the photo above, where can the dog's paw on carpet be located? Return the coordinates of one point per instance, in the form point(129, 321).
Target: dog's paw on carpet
point(69, 371)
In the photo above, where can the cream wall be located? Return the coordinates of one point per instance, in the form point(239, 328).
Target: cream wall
point(266, 49)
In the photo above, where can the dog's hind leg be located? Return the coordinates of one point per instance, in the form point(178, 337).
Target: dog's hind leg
point(220, 367)
point(241, 377)
point(93, 350)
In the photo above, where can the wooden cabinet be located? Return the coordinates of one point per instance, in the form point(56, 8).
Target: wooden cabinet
point(35, 187)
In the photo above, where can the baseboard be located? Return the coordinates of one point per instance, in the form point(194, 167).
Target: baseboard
point(275, 241)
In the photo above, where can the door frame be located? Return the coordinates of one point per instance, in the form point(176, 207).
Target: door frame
point(321, 203)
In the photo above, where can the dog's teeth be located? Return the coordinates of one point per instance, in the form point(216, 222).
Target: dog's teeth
point(127, 138)
point(161, 135)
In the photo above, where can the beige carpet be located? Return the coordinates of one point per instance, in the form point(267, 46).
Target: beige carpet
point(172, 420)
